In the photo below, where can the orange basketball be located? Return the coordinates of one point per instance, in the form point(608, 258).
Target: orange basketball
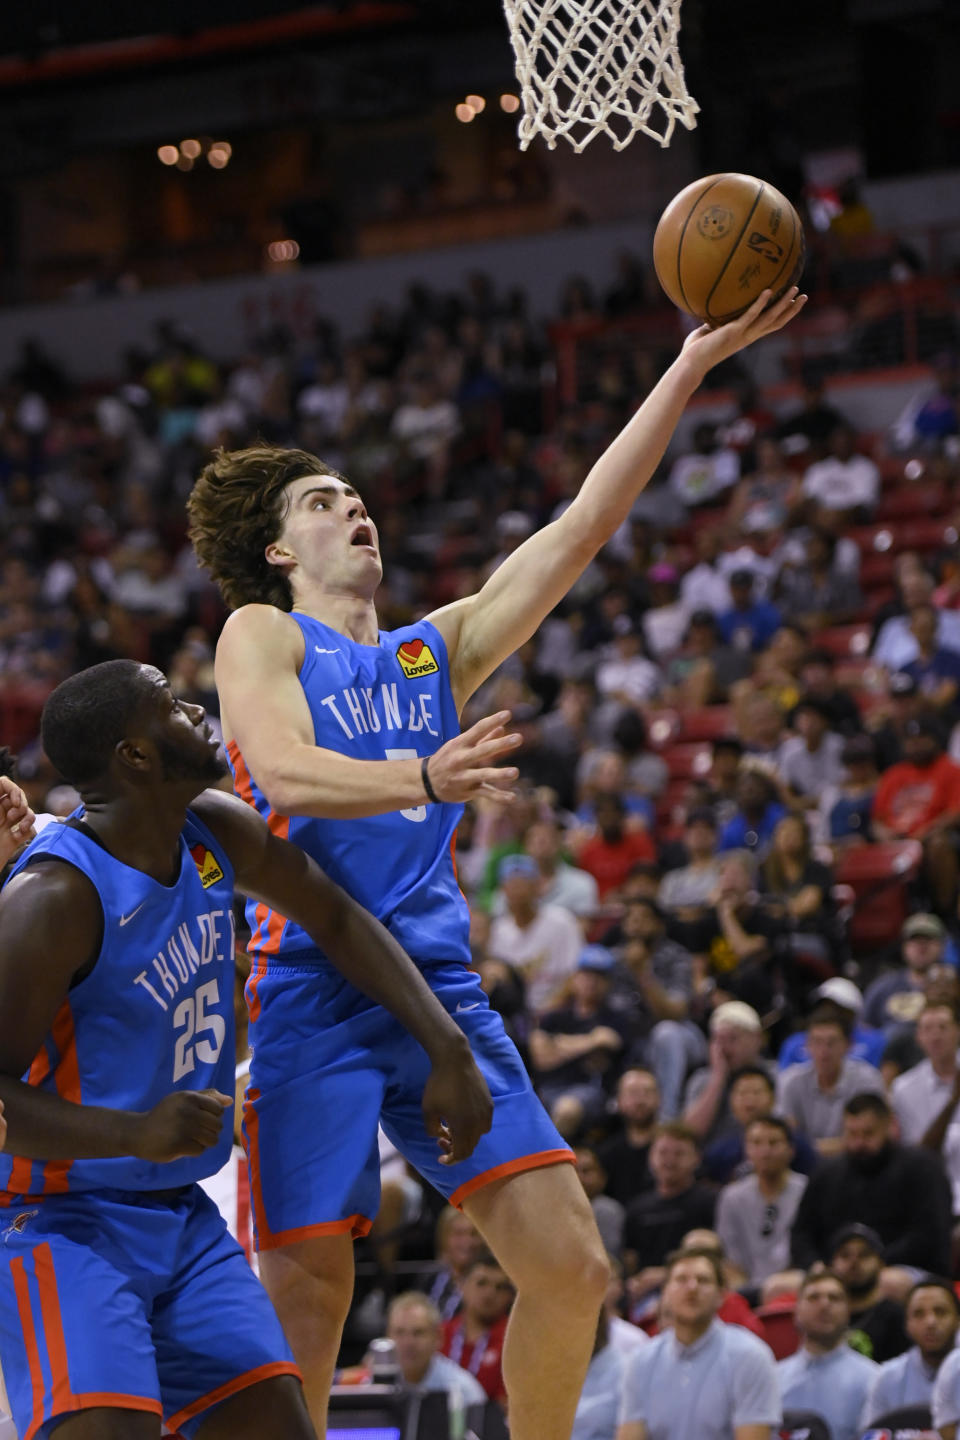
point(723, 240)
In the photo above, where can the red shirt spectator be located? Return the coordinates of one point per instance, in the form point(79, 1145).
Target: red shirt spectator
point(612, 853)
point(923, 788)
point(474, 1338)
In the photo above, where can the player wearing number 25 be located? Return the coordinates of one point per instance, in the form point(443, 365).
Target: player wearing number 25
point(122, 1296)
point(347, 738)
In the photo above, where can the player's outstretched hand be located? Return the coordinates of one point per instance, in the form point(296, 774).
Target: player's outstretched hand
point(184, 1123)
point(466, 767)
point(457, 1108)
point(709, 344)
point(16, 819)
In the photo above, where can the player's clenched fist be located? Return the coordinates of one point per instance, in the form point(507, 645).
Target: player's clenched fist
point(184, 1123)
point(467, 765)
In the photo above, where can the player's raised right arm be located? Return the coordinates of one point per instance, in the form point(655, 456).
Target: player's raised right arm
point(265, 711)
point(50, 929)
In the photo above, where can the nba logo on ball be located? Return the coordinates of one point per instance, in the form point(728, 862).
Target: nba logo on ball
point(416, 659)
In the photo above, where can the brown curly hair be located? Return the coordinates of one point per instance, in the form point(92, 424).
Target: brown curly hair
point(236, 508)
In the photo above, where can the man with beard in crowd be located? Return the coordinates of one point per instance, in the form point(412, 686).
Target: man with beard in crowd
point(933, 1315)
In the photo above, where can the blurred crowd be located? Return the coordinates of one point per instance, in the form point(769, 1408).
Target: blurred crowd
point(721, 919)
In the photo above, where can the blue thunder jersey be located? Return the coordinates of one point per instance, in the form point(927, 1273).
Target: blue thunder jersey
point(389, 701)
point(155, 1013)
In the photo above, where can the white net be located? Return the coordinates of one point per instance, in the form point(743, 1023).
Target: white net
point(599, 67)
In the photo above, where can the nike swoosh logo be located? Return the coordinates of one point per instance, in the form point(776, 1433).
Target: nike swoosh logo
point(320, 651)
point(125, 919)
point(461, 1006)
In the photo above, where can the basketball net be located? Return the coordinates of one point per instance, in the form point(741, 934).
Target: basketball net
point(592, 67)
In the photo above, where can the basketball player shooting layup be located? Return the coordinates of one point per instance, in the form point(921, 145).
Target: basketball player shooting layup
point(347, 739)
point(122, 1296)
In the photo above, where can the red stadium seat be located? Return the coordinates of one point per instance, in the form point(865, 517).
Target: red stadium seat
point(843, 640)
point(710, 723)
point(876, 570)
point(778, 1323)
point(687, 761)
point(913, 502)
point(878, 875)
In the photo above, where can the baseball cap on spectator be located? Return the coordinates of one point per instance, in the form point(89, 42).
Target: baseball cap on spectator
point(859, 750)
point(738, 1014)
point(902, 684)
point(856, 1231)
point(924, 725)
point(517, 865)
point(662, 574)
point(840, 992)
point(923, 926)
point(596, 958)
point(742, 578)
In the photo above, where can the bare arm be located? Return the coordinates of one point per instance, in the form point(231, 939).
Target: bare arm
point(751, 1432)
point(50, 925)
point(548, 1051)
point(743, 945)
point(701, 1112)
point(284, 877)
point(265, 710)
point(633, 1430)
point(482, 630)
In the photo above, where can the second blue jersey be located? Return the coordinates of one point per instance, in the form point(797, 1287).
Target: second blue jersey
point(389, 701)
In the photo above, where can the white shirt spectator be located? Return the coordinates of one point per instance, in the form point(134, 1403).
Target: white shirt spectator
point(326, 403)
point(842, 484)
point(637, 678)
point(756, 1231)
point(445, 1374)
point(665, 628)
point(896, 646)
point(903, 1381)
point(834, 1386)
point(808, 771)
point(545, 952)
point(705, 588)
point(425, 429)
point(625, 1337)
point(699, 478)
point(946, 1393)
point(819, 1113)
point(599, 1403)
point(918, 1096)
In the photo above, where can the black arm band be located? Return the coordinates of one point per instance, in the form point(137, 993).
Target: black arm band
point(432, 795)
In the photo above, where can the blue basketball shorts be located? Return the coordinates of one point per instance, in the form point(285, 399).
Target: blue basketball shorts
point(130, 1301)
point(328, 1064)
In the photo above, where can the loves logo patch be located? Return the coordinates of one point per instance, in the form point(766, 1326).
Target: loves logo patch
point(416, 658)
point(208, 866)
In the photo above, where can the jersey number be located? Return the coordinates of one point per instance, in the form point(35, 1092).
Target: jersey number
point(196, 1023)
point(419, 812)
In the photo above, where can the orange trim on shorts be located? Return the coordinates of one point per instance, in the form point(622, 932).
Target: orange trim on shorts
point(66, 1076)
point(62, 1397)
point(512, 1167)
point(103, 1400)
point(22, 1292)
point(355, 1225)
point(232, 1387)
point(21, 1170)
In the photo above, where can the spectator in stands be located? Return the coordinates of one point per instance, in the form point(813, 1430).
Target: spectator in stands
point(946, 1398)
point(755, 1214)
point(845, 809)
point(920, 798)
point(541, 942)
point(665, 619)
point(624, 1336)
point(763, 498)
point(686, 891)
point(705, 668)
point(457, 1242)
point(894, 1001)
point(608, 1213)
point(811, 426)
point(415, 1327)
point(474, 1337)
point(657, 1220)
point(707, 472)
point(819, 682)
point(702, 1378)
point(720, 787)
point(798, 889)
point(704, 586)
point(758, 816)
point(819, 593)
point(776, 680)
point(736, 1040)
point(560, 882)
point(737, 937)
point(575, 1047)
point(935, 669)
point(750, 623)
point(932, 414)
point(625, 1156)
point(611, 853)
point(919, 1095)
point(843, 480)
point(877, 1319)
point(895, 644)
point(752, 1097)
point(733, 1309)
point(601, 1397)
point(825, 1376)
point(812, 1095)
point(900, 1192)
point(653, 994)
point(626, 675)
point(811, 759)
point(865, 1042)
point(932, 1320)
